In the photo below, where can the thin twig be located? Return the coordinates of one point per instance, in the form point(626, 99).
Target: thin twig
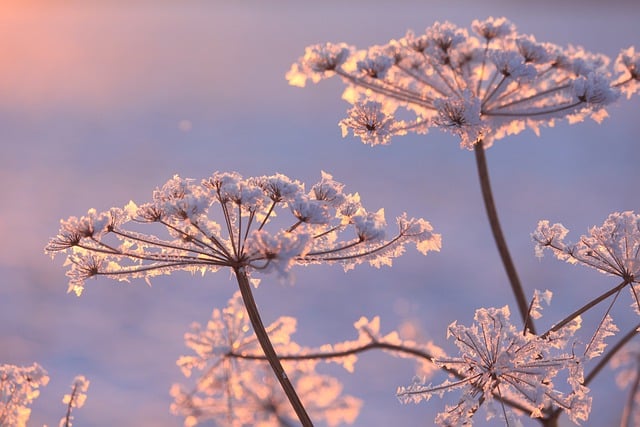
point(585, 308)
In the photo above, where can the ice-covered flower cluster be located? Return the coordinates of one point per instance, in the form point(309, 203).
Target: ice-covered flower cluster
point(322, 225)
point(19, 387)
point(499, 364)
point(479, 85)
point(613, 248)
point(234, 386)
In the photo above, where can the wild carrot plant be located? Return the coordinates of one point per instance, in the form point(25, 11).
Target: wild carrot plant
point(322, 225)
point(481, 85)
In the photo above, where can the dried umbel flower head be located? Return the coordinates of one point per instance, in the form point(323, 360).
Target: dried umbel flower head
point(232, 384)
point(19, 387)
point(225, 221)
point(480, 86)
point(498, 363)
point(613, 248)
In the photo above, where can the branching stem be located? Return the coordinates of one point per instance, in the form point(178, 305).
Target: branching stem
point(267, 347)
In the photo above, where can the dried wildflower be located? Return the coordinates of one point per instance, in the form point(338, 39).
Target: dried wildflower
point(499, 363)
point(613, 248)
point(19, 387)
point(108, 244)
point(233, 387)
point(370, 123)
point(512, 80)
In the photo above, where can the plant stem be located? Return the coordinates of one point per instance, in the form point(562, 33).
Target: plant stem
point(267, 347)
point(585, 308)
point(512, 274)
point(400, 348)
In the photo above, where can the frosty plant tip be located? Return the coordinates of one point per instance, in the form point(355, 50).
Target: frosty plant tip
point(322, 225)
point(481, 85)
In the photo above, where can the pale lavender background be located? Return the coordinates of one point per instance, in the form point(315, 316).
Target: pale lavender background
point(91, 97)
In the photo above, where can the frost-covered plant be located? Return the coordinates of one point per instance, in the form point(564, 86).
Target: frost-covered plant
point(326, 226)
point(233, 387)
point(19, 387)
point(322, 225)
point(229, 370)
point(75, 399)
point(613, 248)
point(481, 85)
point(497, 361)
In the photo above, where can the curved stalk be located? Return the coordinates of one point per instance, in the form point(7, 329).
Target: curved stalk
point(267, 347)
point(501, 243)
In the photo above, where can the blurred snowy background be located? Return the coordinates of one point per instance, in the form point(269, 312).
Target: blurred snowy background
point(100, 102)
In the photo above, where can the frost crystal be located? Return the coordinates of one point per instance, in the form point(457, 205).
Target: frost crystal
point(499, 363)
point(323, 225)
point(481, 88)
